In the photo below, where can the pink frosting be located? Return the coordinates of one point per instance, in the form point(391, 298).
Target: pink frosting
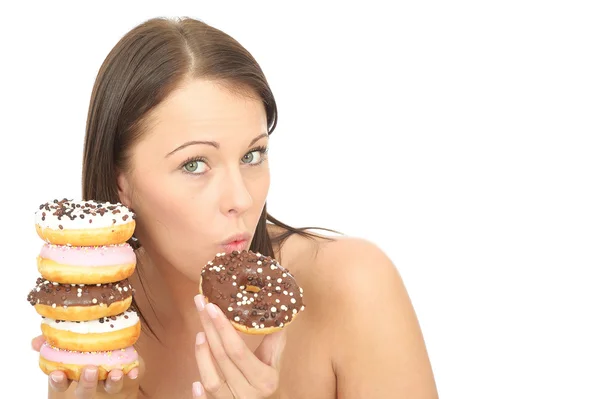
point(109, 358)
point(89, 256)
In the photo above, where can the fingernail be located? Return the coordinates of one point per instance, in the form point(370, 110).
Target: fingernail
point(199, 299)
point(133, 374)
point(116, 376)
point(197, 389)
point(57, 378)
point(212, 310)
point(91, 374)
point(200, 338)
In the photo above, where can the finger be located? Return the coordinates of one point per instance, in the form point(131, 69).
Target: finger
point(258, 374)
point(58, 381)
point(208, 371)
point(37, 342)
point(270, 349)
point(233, 376)
point(86, 387)
point(198, 391)
point(114, 382)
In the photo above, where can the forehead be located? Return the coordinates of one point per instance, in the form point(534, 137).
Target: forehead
point(208, 110)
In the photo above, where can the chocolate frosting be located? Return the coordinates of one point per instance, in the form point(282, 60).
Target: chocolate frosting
point(252, 289)
point(54, 294)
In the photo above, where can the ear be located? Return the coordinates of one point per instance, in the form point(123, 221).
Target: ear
point(124, 189)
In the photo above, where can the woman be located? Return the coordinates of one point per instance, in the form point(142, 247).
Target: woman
point(178, 130)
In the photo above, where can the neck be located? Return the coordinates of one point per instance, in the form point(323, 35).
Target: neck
point(168, 296)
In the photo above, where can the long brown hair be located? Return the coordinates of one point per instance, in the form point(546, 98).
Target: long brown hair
point(138, 74)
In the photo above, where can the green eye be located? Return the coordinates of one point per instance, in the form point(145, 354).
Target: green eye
point(196, 167)
point(254, 157)
point(191, 166)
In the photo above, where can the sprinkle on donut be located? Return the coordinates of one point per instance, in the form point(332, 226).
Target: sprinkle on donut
point(252, 290)
point(70, 214)
point(54, 294)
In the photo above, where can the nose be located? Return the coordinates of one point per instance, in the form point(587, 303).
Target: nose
point(236, 198)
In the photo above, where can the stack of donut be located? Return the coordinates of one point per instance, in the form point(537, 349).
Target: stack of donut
point(83, 294)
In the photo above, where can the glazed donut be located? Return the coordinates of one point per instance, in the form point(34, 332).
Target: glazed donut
point(255, 293)
point(86, 265)
point(105, 334)
point(80, 302)
point(84, 223)
point(72, 362)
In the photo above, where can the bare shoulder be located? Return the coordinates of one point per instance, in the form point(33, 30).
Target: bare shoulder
point(357, 292)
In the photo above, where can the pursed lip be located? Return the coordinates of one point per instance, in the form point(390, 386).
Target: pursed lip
point(236, 239)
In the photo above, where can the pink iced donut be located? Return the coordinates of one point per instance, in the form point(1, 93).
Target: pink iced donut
point(72, 362)
point(86, 265)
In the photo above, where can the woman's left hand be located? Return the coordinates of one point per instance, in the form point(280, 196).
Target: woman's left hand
point(228, 368)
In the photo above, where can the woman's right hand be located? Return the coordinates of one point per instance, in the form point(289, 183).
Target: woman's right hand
point(88, 386)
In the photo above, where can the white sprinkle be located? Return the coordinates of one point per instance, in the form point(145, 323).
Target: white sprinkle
point(79, 294)
point(293, 300)
point(278, 288)
point(273, 309)
point(254, 324)
point(262, 326)
point(233, 277)
point(79, 289)
point(98, 285)
point(283, 307)
point(285, 292)
point(125, 289)
point(38, 289)
point(301, 290)
point(291, 294)
point(230, 309)
point(259, 270)
point(251, 300)
point(255, 295)
point(54, 283)
point(294, 311)
point(234, 283)
point(284, 275)
point(286, 317)
point(280, 324)
point(239, 303)
point(239, 295)
point(268, 277)
point(53, 305)
point(244, 302)
point(273, 267)
point(259, 263)
point(268, 285)
point(236, 318)
point(302, 308)
point(279, 280)
point(277, 300)
point(269, 294)
point(242, 287)
point(94, 300)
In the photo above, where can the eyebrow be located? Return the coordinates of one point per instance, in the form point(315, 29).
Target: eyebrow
point(211, 143)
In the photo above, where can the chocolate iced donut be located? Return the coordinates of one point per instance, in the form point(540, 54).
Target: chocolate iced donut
point(80, 302)
point(84, 223)
point(257, 295)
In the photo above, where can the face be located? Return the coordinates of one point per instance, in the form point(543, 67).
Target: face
point(199, 176)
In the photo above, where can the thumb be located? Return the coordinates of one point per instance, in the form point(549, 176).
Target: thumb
point(270, 349)
point(37, 342)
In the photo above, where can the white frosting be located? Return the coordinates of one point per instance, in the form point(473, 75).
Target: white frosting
point(55, 214)
point(95, 326)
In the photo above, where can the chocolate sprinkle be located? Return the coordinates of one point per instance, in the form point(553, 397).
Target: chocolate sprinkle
point(252, 289)
point(78, 294)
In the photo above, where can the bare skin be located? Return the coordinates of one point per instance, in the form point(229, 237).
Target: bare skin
point(359, 336)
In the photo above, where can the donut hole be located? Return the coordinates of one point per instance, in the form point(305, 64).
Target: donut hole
point(252, 288)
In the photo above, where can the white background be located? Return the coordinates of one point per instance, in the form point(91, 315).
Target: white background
point(461, 137)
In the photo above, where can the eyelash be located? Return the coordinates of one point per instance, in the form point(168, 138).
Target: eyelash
point(263, 150)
